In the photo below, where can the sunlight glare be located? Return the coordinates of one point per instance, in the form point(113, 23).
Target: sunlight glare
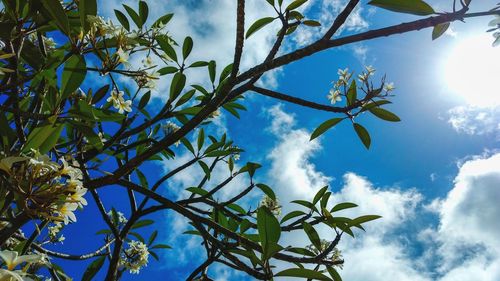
point(472, 71)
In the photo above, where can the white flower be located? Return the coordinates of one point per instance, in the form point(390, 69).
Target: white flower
point(272, 205)
point(12, 258)
point(8, 275)
point(236, 157)
point(135, 257)
point(124, 106)
point(148, 61)
point(121, 217)
point(334, 96)
point(116, 97)
point(122, 56)
point(77, 197)
point(388, 87)
point(66, 212)
point(344, 76)
point(363, 77)
point(370, 69)
point(70, 171)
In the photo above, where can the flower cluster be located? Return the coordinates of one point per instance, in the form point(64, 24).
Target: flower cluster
point(334, 255)
point(50, 190)
point(345, 81)
point(121, 220)
point(272, 205)
point(146, 80)
point(119, 101)
point(11, 260)
point(135, 257)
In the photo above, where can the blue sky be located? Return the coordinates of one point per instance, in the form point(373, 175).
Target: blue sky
point(434, 177)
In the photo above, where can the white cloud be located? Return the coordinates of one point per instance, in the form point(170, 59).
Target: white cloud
point(468, 232)
point(475, 120)
point(326, 12)
point(292, 174)
point(212, 25)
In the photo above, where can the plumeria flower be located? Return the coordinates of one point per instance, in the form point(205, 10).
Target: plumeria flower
point(116, 97)
point(334, 96)
point(344, 75)
point(77, 197)
point(124, 105)
point(135, 257)
point(370, 69)
point(66, 212)
point(148, 61)
point(388, 87)
point(72, 172)
point(363, 77)
point(12, 259)
point(122, 55)
point(8, 275)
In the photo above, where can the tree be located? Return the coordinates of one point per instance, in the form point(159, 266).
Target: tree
point(62, 145)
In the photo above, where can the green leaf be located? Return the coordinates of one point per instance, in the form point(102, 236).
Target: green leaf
point(57, 13)
point(269, 231)
point(303, 273)
point(205, 168)
point(363, 134)
point(295, 4)
point(142, 178)
point(415, 7)
point(384, 114)
point(143, 12)
point(144, 100)
point(292, 215)
point(99, 94)
point(256, 26)
point(211, 70)
point(342, 206)
point(74, 72)
point(187, 47)
point(267, 190)
point(177, 85)
point(352, 93)
point(122, 19)
point(324, 199)
point(197, 190)
point(164, 43)
point(163, 20)
point(135, 17)
point(86, 8)
point(152, 237)
point(168, 70)
point(306, 204)
point(43, 138)
point(363, 219)
point(142, 223)
point(319, 194)
point(271, 2)
point(161, 246)
point(312, 23)
point(439, 30)
point(93, 268)
point(198, 64)
point(324, 127)
point(313, 235)
point(333, 273)
point(201, 138)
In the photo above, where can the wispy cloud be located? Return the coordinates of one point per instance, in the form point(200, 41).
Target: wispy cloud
point(475, 120)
